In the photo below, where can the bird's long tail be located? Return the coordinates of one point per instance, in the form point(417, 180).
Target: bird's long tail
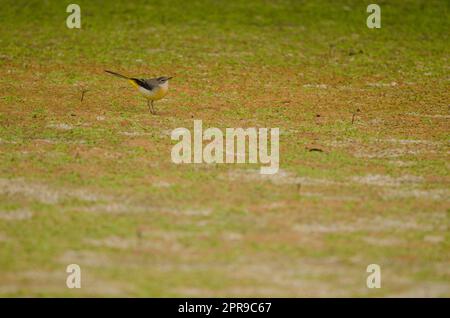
point(118, 75)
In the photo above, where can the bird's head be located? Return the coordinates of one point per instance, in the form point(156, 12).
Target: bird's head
point(163, 79)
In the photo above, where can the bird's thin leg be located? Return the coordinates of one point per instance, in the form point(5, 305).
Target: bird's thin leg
point(148, 105)
point(153, 109)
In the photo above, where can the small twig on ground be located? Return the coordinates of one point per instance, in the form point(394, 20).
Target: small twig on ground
point(139, 236)
point(314, 149)
point(83, 91)
point(354, 115)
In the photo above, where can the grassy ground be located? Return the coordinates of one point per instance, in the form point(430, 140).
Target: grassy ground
point(92, 182)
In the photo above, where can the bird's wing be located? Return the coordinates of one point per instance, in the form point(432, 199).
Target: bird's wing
point(149, 84)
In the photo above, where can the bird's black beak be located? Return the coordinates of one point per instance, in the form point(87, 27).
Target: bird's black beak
point(169, 78)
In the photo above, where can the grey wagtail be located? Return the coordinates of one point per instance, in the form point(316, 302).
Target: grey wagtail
point(152, 88)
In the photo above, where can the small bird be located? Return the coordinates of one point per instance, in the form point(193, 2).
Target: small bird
point(152, 88)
